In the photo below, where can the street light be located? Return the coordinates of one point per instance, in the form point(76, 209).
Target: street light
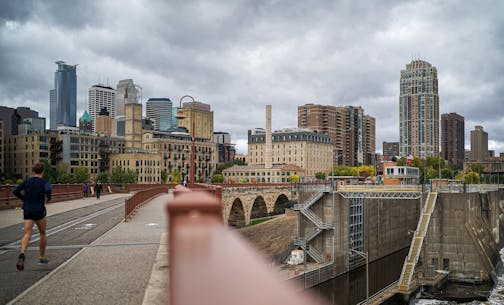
point(180, 116)
point(364, 255)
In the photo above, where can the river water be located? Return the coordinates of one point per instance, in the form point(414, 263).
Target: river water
point(496, 294)
point(350, 288)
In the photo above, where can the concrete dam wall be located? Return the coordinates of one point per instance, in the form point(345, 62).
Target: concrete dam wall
point(464, 237)
point(377, 226)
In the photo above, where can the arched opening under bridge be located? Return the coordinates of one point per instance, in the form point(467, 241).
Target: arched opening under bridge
point(281, 204)
point(237, 215)
point(259, 209)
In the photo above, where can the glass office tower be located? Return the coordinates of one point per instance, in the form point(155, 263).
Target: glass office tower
point(63, 98)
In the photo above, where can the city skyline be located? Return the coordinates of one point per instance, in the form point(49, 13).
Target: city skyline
point(241, 56)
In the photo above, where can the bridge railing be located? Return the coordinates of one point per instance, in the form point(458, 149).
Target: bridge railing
point(135, 201)
point(210, 264)
point(380, 188)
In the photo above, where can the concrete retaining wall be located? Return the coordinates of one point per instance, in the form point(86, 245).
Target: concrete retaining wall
point(462, 236)
point(386, 226)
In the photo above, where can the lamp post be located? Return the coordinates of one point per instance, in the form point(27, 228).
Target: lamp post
point(180, 116)
point(365, 256)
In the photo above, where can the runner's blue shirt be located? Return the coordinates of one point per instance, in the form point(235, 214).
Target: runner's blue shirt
point(35, 191)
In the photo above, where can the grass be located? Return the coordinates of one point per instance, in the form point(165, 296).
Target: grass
point(258, 221)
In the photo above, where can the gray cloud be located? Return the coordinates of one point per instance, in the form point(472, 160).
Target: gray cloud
point(241, 55)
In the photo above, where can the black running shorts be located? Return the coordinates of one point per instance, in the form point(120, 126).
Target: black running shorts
point(34, 215)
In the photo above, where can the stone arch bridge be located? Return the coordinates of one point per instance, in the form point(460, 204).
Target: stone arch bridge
point(241, 204)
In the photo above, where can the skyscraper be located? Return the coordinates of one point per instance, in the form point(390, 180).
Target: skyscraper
point(100, 97)
point(479, 144)
point(63, 98)
point(160, 111)
point(452, 138)
point(352, 132)
point(419, 110)
point(133, 95)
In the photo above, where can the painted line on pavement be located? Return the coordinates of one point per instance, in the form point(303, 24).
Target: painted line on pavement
point(57, 269)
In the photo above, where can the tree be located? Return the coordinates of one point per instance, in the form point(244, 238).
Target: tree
point(103, 177)
point(320, 175)
point(366, 170)
point(81, 174)
point(63, 175)
point(175, 176)
point(164, 176)
point(401, 162)
point(49, 173)
point(343, 170)
point(477, 168)
point(130, 176)
point(294, 178)
point(217, 178)
point(116, 176)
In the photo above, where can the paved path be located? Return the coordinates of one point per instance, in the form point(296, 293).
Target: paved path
point(127, 265)
point(14, 216)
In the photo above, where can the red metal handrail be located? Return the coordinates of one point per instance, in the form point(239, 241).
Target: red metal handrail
point(132, 203)
point(210, 264)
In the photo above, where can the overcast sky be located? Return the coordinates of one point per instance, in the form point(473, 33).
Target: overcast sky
point(239, 56)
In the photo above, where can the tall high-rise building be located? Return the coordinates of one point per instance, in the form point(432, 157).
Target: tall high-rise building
point(419, 110)
point(200, 115)
point(351, 131)
point(100, 97)
point(479, 144)
point(133, 95)
point(21, 118)
point(452, 138)
point(160, 111)
point(63, 98)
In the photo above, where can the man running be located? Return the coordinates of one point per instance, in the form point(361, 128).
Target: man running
point(35, 189)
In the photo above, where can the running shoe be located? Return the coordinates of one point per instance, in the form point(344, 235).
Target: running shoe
point(20, 262)
point(43, 261)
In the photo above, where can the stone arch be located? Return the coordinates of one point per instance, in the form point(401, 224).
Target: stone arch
point(237, 214)
point(281, 203)
point(259, 208)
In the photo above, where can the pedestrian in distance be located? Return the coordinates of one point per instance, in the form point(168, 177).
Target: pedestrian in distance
point(85, 190)
point(98, 189)
point(33, 192)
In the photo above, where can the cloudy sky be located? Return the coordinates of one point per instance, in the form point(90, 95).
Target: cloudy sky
point(240, 55)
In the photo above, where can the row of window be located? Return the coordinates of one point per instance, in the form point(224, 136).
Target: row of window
point(254, 174)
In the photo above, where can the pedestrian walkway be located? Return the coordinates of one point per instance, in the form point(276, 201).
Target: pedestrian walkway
point(127, 265)
point(15, 216)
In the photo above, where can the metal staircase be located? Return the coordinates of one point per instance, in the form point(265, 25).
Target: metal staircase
point(320, 226)
point(314, 253)
point(315, 219)
point(310, 201)
point(417, 242)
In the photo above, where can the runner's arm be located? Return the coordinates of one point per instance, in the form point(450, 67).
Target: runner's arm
point(47, 188)
point(18, 189)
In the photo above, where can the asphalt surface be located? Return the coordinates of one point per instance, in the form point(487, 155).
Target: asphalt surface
point(66, 231)
point(101, 260)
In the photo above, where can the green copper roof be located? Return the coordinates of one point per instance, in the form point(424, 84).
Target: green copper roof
point(86, 117)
